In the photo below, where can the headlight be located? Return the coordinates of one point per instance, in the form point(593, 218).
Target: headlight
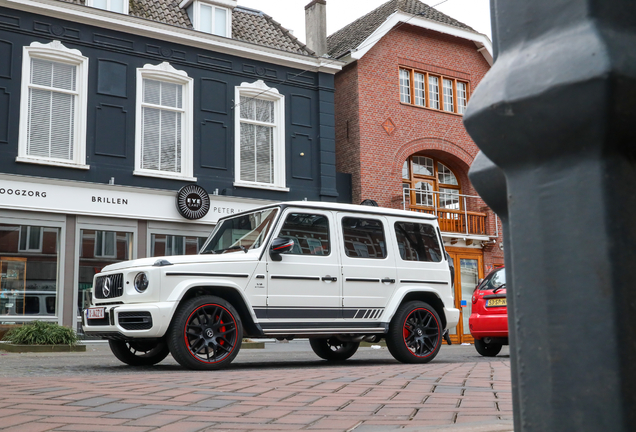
point(141, 282)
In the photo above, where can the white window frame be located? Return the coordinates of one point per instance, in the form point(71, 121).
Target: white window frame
point(91, 3)
point(103, 235)
point(260, 90)
point(166, 73)
point(228, 5)
point(55, 52)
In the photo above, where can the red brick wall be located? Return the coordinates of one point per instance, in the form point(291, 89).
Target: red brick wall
point(367, 94)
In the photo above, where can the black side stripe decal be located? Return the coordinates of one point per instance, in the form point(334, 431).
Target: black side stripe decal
point(226, 275)
point(423, 282)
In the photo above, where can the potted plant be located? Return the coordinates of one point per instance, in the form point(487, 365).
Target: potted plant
point(41, 336)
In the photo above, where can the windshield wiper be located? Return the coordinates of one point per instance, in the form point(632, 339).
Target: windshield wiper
point(502, 286)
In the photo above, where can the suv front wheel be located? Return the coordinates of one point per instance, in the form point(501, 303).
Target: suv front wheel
point(333, 349)
point(205, 334)
point(415, 333)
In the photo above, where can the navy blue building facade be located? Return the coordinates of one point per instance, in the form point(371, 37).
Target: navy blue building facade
point(105, 116)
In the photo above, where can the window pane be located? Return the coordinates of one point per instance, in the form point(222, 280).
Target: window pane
point(405, 170)
point(423, 166)
point(248, 230)
point(101, 4)
point(448, 95)
point(28, 285)
point(433, 92)
point(220, 22)
point(363, 238)
point(420, 95)
point(264, 110)
point(310, 233)
point(445, 175)
point(62, 126)
point(150, 138)
point(462, 97)
point(205, 19)
point(248, 152)
point(248, 108)
point(170, 141)
point(424, 195)
point(264, 155)
point(117, 6)
point(171, 95)
point(405, 86)
point(152, 91)
point(418, 242)
point(449, 198)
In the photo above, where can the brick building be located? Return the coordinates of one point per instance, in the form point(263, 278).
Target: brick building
point(399, 106)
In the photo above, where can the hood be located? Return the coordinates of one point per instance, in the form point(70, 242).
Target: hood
point(233, 256)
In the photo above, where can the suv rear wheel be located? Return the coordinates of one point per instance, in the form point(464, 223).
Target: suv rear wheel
point(205, 334)
point(139, 352)
point(333, 349)
point(415, 333)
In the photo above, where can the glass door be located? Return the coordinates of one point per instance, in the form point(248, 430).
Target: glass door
point(469, 269)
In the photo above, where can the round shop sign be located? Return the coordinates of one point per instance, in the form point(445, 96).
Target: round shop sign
point(193, 202)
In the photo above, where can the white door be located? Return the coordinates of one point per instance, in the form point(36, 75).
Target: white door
point(368, 265)
point(305, 283)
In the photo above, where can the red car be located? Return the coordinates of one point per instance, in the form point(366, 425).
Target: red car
point(489, 319)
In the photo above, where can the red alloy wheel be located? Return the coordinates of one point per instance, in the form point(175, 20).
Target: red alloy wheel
point(210, 333)
point(421, 332)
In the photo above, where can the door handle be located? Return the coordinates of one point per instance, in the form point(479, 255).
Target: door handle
point(388, 280)
point(329, 278)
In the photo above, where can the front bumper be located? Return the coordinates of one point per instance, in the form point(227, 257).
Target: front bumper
point(452, 317)
point(145, 320)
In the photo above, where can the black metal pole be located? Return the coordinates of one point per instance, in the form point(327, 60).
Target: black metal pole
point(557, 114)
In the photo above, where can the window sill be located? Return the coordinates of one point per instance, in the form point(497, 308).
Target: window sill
point(164, 175)
point(431, 109)
point(34, 160)
point(261, 186)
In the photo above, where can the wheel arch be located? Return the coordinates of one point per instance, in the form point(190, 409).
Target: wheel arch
point(231, 295)
point(427, 297)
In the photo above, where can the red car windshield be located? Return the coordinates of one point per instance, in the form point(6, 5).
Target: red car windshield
point(494, 280)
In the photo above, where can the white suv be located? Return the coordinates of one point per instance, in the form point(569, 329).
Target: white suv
point(337, 274)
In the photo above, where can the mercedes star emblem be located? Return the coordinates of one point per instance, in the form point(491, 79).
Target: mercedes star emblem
point(106, 288)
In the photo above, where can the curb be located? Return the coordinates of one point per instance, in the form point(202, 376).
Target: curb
point(41, 348)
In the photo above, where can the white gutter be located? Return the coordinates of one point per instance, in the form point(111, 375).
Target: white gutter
point(147, 28)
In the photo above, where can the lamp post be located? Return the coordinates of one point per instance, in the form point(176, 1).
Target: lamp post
point(557, 115)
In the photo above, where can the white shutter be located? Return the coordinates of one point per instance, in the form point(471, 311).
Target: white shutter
point(51, 122)
point(161, 128)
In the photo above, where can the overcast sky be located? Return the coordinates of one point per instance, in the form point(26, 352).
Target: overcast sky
point(291, 13)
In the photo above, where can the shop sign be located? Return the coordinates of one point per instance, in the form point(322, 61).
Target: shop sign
point(193, 202)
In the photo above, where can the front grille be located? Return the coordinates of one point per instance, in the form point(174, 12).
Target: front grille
point(135, 320)
point(98, 322)
point(111, 286)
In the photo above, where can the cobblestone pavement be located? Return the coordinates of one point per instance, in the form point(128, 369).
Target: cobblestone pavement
point(282, 387)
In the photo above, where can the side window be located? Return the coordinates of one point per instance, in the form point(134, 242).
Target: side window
point(363, 238)
point(310, 233)
point(417, 242)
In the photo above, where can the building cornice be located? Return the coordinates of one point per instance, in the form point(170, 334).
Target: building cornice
point(147, 28)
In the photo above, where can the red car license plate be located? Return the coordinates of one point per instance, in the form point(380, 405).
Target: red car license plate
point(496, 302)
point(96, 313)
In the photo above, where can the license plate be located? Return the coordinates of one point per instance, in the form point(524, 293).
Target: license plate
point(496, 302)
point(96, 313)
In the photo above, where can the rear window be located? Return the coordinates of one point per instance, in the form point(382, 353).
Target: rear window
point(418, 242)
point(494, 280)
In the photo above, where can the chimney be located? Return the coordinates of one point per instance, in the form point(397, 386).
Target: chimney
point(316, 26)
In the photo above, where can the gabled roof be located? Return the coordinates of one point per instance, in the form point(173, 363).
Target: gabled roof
point(248, 25)
point(353, 35)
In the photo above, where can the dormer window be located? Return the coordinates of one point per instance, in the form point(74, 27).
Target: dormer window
point(211, 16)
point(119, 6)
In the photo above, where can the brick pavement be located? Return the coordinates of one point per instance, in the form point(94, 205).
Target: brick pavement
point(374, 394)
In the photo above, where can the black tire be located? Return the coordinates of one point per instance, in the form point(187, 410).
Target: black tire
point(487, 349)
point(139, 353)
point(415, 333)
point(205, 334)
point(333, 349)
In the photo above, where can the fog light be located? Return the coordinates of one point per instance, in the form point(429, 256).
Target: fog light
point(141, 282)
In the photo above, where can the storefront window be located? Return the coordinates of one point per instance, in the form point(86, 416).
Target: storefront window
point(29, 264)
point(97, 250)
point(168, 245)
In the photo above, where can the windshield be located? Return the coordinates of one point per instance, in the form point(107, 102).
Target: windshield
point(241, 233)
point(495, 280)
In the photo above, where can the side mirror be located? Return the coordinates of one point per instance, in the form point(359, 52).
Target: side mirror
point(279, 246)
